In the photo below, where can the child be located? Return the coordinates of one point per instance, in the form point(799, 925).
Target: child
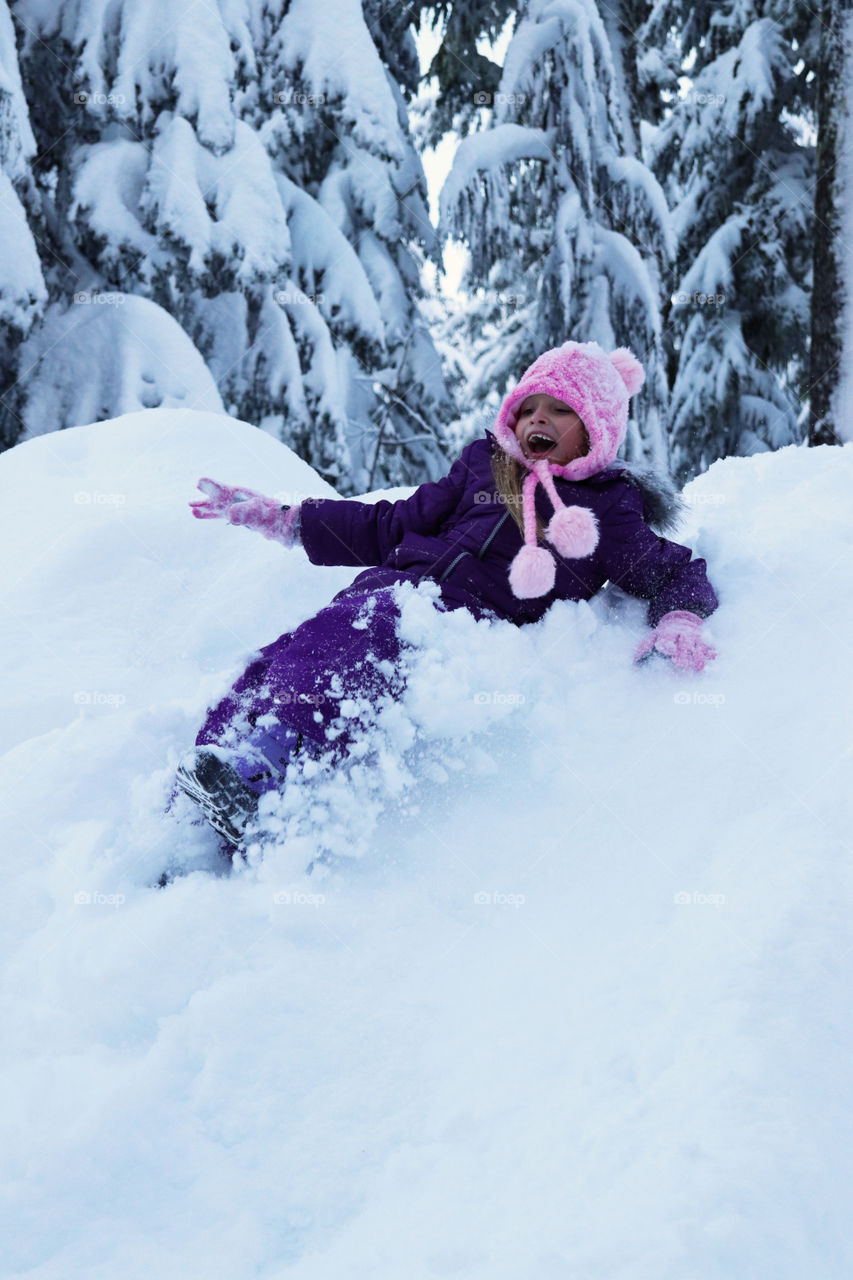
point(480, 533)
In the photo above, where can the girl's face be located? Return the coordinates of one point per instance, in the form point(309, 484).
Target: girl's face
point(548, 428)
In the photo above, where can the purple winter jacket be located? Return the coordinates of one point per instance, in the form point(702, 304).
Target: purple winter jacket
point(458, 531)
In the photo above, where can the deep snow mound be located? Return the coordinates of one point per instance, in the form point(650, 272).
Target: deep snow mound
point(580, 1009)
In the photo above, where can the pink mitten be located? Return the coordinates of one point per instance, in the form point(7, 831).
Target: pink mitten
point(678, 636)
point(220, 498)
point(269, 517)
point(252, 510)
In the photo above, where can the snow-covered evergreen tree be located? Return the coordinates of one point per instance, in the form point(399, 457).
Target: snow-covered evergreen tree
point(567, 228)
point(249, 169)
point(22, 288)
point(463, 75)
point(739, 180)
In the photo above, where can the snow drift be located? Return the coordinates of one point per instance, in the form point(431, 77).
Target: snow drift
point(580, 1009)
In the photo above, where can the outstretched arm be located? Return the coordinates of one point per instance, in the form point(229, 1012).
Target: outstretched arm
point(338, 530)
point(344, 531)
point(676, 586)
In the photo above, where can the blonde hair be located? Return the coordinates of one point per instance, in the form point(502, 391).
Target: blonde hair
point(508, 481)
point(508, 478)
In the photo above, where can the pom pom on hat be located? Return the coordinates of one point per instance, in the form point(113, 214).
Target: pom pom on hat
point(629, 369)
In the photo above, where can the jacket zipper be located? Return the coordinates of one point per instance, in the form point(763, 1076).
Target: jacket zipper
point(485, 545)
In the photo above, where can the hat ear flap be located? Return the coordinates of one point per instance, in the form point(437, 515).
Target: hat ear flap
point(629, 369)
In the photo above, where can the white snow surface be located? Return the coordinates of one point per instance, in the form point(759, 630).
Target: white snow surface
point(580, 1009)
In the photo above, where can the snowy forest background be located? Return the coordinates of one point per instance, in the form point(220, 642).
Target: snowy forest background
point(223, 205)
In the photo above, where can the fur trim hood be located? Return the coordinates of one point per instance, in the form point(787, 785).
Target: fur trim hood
point(663, 505)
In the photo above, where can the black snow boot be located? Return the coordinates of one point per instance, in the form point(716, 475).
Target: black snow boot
point(226, 801)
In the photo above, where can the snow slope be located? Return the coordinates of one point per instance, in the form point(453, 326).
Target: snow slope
point(581, 1011)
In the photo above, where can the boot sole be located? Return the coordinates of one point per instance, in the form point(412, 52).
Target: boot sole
point(224, 799)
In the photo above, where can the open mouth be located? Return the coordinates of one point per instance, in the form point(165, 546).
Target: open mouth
point(540, 444)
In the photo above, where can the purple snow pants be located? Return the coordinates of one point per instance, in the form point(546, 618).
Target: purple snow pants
point(302, 677)
point(350, 649)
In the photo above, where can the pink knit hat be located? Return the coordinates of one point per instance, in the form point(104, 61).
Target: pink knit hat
point(597, 386)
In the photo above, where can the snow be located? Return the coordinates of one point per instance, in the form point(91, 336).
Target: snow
point(319, 246)
point(22, 288)
point(109, 183)
point(17, 144)
point(333, 52)
point(545, 25)
point(107, 352)
point(711, 271)
point(500, 145)
point(760, 57)
point(530, 41)
point(581, 1009)
point(644, 188)
point(127, 50)
point(621, 262)
point(248, 223)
